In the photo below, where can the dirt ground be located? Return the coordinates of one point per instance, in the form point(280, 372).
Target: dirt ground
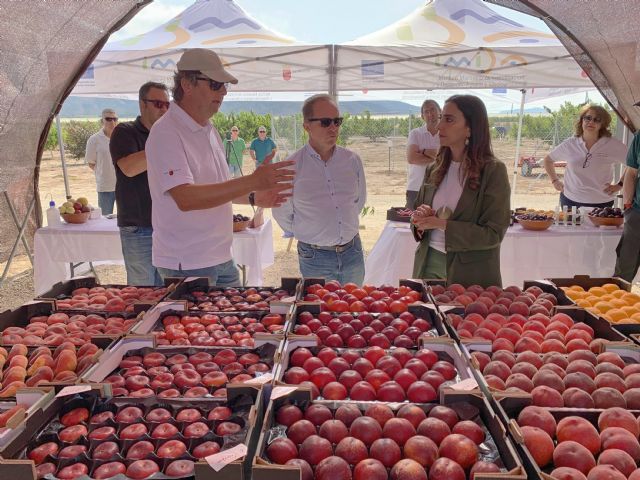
point(385, 170)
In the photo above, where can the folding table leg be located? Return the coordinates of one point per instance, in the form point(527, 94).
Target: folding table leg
point(243, 269)
point(73, 266)
point(17, 223)
point(23, 227)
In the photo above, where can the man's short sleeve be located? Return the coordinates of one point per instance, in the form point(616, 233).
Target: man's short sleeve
point(91, 152)
point(122, 144)
point(413, 138)
point(633, 154)
point(253, 144)
point(167, 160)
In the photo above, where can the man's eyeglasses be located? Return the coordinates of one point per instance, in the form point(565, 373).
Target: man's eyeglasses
point(157, 103)
point(213, 85)
point(110, 119)
point(586, 160)
point(589, 118)
point(325, 122)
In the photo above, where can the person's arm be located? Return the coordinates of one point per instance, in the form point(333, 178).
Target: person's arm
point(362, 184)
point(418, 156)
point(488, 231)
point(275, 178)
point(629, 186)
point(133, 164)
point(252, 152)
point(91, 153)
point(550, 168)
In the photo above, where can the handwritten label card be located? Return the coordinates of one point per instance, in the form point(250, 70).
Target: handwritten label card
point(220, 460)
point(73, 389)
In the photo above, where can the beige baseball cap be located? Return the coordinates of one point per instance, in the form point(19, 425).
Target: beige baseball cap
point(208, 62)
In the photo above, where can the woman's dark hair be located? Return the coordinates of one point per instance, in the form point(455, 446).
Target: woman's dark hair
point(478, 152)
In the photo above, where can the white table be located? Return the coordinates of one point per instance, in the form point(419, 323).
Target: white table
point(524, 255)
point(55, 248)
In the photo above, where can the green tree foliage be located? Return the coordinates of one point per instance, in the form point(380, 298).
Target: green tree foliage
point(76, 133)
point(247, 123)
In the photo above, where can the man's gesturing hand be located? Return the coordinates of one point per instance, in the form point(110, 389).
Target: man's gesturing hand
point(274, 176)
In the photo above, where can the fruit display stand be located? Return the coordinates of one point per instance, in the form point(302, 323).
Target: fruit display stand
point(63, 293)
point(362, 329)
point(103, 436)
point(27, 404)
point(381, 439)
point(358, 374)
point(172, 325)
point(200, 296)
point(136, 368)
point(600, 443)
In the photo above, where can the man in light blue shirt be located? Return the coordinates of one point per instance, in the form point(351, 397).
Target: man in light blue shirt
point(329, 191)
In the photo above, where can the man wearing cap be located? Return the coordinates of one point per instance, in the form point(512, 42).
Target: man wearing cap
point(328, 194)
point(262, 149)
point(189, 179)
point(133, 198)
point(98, 158)
point(234, 148)
point(628, 250)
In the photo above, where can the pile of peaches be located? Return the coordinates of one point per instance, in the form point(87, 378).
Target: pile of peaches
point(377, 443)
point(233, 299)
point(110, 299)
point(136, 441)
point(188, 375)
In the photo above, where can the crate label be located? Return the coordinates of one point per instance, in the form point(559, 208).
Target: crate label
point(73, 389)
point(220, 460)
point(468, 384)
point(261, 380)
point(280, 391)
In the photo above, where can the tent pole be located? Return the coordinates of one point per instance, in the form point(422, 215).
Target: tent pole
point(518, 141)
point(62, 159)
point(333, 53)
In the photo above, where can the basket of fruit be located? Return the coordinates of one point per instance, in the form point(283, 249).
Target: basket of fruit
point(240, 222)
point(606, 217)
point(75, 211)
point(535, 221)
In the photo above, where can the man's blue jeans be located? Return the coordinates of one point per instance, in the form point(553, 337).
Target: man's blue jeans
point(223, 275)
point(136, 250)
point(345, 266)
point(234, 170)
point(106, 200)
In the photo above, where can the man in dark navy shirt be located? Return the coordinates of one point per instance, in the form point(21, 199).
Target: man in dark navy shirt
point(127, 148)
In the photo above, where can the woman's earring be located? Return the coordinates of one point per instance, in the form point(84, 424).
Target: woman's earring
point(466, 142)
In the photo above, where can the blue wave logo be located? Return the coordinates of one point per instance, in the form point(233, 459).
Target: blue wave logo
point(211, 22)
point(460, 15)
point(451, 61)
point(158, 64)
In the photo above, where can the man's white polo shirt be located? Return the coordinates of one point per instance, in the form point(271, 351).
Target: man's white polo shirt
point(181, 151)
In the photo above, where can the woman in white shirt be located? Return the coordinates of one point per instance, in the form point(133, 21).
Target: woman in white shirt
point(590, 156)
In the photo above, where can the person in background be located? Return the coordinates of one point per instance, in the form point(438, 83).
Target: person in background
point(462, 210)
point(133, 198)
point(262, 149)
point(98, 158)
point(422, 148)
point(628, 250)
point(234, 149)
point(590, 156)
point(189, 179)
point(329, 191)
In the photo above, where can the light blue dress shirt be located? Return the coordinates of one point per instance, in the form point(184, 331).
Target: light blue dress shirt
point(327, 197)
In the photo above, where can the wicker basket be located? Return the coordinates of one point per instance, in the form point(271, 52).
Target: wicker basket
point(76, 217)
point(240, 226)
point(534, 224)
point(606, 221)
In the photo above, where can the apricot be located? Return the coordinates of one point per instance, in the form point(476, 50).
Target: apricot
point(539, 444)
point(572, 454)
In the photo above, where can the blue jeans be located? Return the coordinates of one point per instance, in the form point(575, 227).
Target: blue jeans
point(223, 275)
point(564, 200)
point(106, 201)
point(234, 170)
point(136, 250)
point(345, 266)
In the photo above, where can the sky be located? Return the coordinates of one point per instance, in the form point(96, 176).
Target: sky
point(338, 21)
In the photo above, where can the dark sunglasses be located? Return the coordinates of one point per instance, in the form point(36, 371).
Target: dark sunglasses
point(589, 118)
point(586, 160)
point(325, 122)
point(110, 119)
point(213, 85)
point(157, 103)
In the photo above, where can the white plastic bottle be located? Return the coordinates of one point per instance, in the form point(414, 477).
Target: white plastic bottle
point(53, 215)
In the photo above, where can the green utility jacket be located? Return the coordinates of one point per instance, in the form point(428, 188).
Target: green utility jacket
point(474, 231)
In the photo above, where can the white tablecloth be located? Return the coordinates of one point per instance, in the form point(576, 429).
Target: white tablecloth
point(524, 255)
point(99, 240)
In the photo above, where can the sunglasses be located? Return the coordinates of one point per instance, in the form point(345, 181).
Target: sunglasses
point(589, 118)
point(325, 122)
point(262, 131)
point(157, 103)
point(213, 85)
point(586, 160)
point(110, 119)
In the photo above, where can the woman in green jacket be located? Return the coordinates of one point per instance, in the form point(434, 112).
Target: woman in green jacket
point(462, 210)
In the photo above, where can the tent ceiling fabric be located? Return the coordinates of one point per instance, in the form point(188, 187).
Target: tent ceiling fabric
point(452, 44)
point(603, 38)
point(262, 59)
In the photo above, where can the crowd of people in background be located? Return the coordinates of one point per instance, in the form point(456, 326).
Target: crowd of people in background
point(174, 181)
